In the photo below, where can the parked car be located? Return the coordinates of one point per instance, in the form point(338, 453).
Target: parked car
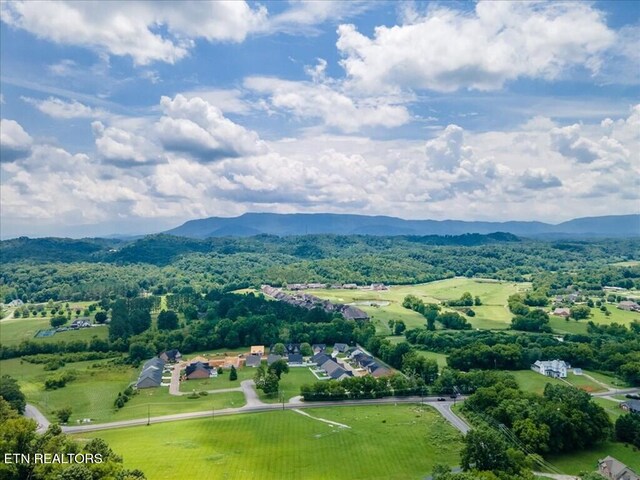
point(441, 399)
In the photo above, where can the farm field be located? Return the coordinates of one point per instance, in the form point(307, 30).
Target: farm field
point(402, 442)
point(492, 314)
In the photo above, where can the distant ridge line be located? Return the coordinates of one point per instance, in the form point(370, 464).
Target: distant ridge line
point(250, 224)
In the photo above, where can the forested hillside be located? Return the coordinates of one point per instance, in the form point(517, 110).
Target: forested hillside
point(43, 269)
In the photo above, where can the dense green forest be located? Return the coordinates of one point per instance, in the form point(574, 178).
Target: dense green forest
point(37, 270)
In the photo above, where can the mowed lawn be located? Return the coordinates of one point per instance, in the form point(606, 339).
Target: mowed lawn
point(384, 442)
point(218, 383)
point(492, 314)
point(612, 408)
point(15, 330)
point(290, 384)
point(587, 460)
point(157, 402)
point(533, 382)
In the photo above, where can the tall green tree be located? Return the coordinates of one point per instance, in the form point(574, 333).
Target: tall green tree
point(279, 367)
point(10, 391)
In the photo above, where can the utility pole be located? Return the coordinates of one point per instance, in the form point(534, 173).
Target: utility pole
point(148, 414)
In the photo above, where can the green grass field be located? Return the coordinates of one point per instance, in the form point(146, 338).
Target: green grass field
point(612, 408)
point(441, 358)
point(533, 382)
point(384, 442)
point(492, 314)
point(15, 330)
point(218, 383)
point(560, 325)
point(290, 384)
point(611, 381)
point(157, 402)
point(92, 393)
point(587, 460)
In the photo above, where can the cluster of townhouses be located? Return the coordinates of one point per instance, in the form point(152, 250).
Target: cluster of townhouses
point(310, 302)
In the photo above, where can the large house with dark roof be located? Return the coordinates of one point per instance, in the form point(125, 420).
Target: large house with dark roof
point(335, 371)
point(295, 359)
point(318, 347)
point(199, 370)
point(171, 356)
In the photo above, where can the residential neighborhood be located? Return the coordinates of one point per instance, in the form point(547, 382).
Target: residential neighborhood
point(310, 302)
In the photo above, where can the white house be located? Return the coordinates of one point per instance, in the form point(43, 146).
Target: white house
point(551, 368)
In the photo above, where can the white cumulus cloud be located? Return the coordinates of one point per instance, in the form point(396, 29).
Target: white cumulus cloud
point(199, 129)
point(15, 143)
point(447, 49)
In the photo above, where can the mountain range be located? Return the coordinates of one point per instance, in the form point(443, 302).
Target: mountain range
point(251, 224)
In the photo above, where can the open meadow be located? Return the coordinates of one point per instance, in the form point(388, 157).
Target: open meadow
point(385, 305)
point(15, 330)
point(622, 317)
point(96, 386)
point(382, 442)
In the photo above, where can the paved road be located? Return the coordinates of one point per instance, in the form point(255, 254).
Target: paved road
point(31, 411)
point(445, 410)
point(556, 476)
point(623, 391)
point(250, 395)
point(260, 408)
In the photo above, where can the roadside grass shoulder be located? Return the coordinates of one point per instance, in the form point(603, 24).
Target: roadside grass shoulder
point(157, 402)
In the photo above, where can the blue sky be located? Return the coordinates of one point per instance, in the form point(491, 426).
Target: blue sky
point(132, 117)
